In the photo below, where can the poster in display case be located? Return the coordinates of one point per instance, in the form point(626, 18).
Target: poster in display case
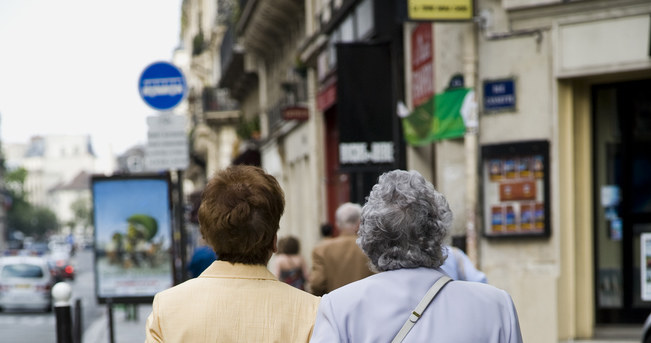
point(133, 237)
point(645, 266)
point(516, 189)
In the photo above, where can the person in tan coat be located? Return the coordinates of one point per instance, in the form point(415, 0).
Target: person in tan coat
point(339, 261)
point(236, 299)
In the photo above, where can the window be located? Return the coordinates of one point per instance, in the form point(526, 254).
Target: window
point(364, 19)
point(347, 29)
point(22, 270)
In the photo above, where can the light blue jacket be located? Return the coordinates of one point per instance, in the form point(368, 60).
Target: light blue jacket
point(375, 308)
point(459, 267)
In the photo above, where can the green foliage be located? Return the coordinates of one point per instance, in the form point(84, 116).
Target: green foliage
point(35, 221)
point(82, 213)
point(22, 216)
point(142, 226)
point(300, 68)
point(229, 12)
point(15, 182)
point(198, 44)
point(246, 129)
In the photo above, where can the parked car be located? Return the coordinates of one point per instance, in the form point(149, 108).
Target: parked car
point(62, 268)
point(37, 248)
point(59, 246)
point(25, 283)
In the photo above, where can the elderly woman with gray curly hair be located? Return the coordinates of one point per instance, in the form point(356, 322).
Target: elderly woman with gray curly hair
point(403, 227)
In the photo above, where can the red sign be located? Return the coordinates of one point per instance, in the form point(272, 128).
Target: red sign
point(295, 113)
point(327, 97)
point(524, 190)
point(422, 67)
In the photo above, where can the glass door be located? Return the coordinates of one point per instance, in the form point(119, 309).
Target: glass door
point(622, 204)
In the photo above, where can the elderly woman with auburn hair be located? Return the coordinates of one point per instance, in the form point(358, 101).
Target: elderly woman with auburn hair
point(236, 299)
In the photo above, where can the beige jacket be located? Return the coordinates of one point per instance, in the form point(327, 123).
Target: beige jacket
point(232, 303)
point(336, 262)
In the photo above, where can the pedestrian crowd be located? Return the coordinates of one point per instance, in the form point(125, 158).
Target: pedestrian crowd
point(386, 274)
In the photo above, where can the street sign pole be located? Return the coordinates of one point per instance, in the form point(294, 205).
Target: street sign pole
point(162, 86)
point(182, 275)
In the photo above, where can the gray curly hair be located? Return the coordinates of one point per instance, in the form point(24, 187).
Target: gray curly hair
point(404, 223)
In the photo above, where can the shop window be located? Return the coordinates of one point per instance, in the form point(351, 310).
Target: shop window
point(364, 19)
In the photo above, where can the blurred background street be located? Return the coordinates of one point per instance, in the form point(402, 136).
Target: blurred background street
point(532, 117)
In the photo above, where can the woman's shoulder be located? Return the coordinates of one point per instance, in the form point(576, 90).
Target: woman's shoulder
point(371, 288)
point(479, 291)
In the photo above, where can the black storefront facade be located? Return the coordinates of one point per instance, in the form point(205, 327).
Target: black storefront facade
point(359, 84)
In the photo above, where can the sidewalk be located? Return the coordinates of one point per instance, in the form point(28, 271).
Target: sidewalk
point(130, 331)
point(124, 331)
point(613, 334)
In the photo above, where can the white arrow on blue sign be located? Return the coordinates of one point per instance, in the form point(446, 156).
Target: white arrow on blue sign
point(162, 85)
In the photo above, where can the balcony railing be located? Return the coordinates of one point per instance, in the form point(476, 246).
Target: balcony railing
point(233, 76)
point(217, 99)
point(295, 96)
point(226, 49)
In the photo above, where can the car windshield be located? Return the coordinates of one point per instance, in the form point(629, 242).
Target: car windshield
point(23, 270)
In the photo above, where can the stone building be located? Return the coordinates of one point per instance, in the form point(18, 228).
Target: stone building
point(52, 160)
point(58, 171)
point(548, 177)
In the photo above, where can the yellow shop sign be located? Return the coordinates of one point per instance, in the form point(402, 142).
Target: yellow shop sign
point(440, 9)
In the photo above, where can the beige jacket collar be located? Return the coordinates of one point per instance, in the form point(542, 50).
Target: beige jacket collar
point(223, 269)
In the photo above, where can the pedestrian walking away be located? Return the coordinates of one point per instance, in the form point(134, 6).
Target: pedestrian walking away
point(404, 224)
point(339, 261)
point(290, 266)
point(236, 299)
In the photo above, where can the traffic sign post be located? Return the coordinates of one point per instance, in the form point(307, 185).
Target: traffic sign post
point(162, 86)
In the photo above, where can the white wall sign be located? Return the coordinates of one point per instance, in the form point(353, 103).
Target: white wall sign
point(167, 143)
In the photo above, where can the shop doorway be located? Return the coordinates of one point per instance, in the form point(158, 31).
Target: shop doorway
point(622, 200)
point(337, 183)
point(342, 186)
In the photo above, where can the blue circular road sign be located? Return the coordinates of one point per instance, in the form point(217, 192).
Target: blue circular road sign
point(162, 85)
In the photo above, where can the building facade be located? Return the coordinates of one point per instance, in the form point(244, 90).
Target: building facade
point(548, 177)
point(72, 202)
point(260, 69)
point(52, 160)
point(580, 69)
point(58, 169)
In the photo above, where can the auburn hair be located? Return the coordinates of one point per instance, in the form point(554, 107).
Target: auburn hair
point(240, 213)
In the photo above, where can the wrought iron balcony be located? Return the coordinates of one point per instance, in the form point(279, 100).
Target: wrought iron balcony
point(234, 76)
point(263, 24)
point(292, 106)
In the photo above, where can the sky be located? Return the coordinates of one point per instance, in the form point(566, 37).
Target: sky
point(72, 67)
point(115, 200)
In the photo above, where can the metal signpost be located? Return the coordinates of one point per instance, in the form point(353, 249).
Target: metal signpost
point(162, 86)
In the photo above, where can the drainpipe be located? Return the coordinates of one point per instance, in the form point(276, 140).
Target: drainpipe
point(470, 63)
point(470, 144)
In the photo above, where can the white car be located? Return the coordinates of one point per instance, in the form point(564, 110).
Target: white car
point(25, 283)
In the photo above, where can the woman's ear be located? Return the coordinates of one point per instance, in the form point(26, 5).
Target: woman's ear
point(275, 247)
